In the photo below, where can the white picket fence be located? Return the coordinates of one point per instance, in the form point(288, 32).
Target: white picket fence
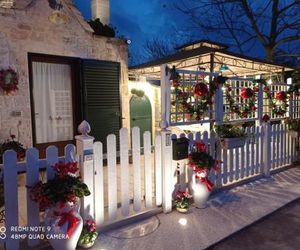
point(124, 189)
point(263, 152)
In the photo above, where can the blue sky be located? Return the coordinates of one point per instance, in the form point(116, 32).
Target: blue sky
point(141, 20)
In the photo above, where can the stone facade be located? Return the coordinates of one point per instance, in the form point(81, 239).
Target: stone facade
point(29, 30)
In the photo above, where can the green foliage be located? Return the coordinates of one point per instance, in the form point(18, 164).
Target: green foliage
point(102, 30)
point(60, 189)
point(88, 234)
point(203, 160)
point(230, 131)
point(87, 237)
point(139, 93)
point(12, 145)
point(182, 200)
point(294, 125)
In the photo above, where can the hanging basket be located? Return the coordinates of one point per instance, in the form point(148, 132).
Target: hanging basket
point(230, 143)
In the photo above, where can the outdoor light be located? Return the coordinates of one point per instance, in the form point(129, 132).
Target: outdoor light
point(182, 221)
point(224, 67)
point(270, 81)
point(289, 81)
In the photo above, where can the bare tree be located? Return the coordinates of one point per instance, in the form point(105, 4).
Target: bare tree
point(157, 48)
point(271, 23)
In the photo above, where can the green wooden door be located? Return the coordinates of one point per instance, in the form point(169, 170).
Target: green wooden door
point(102, 98)
point(141, 114)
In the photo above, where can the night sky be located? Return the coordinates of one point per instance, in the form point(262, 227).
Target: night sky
point(141, 20)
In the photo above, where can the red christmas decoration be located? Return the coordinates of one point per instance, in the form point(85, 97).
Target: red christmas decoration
point(246, 93)
point(201, 89)
point(280, 95)
point(265, 118)
point(253, 108)
point(266, 89)
point(256, 89)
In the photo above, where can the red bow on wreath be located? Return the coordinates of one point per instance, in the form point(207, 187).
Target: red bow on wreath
point(70, 218)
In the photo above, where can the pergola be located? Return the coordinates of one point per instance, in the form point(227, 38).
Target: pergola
point(210, 56)
point(211, 59)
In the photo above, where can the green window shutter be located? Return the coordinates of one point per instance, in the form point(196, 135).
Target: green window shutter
point(101, 84)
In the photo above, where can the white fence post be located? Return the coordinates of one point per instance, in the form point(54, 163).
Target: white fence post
point(267, 134)
point(84, 146)
point(166, 142)
point(166, 152)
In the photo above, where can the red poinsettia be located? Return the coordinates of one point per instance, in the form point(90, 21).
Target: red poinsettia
point(280, 96)
point(246, 93)
point(200, 89)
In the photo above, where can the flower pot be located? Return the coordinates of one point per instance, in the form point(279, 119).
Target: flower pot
point(182, 210)
point(200, 191)
point(86, 245)
point(58, 220)
point(230, 143)
point(294, 134)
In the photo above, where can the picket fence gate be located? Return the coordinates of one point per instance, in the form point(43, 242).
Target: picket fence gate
point(124, 189)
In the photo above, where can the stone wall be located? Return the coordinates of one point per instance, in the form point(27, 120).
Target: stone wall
point(29, 30)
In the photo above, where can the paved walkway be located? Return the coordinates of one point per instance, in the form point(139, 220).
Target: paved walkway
point(277, 231)
point(227, 212)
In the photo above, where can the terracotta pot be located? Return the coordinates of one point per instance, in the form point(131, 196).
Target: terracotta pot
point(182, 210)
point(86, 245)
point(230, 143)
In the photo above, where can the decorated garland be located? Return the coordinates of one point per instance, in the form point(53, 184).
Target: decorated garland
point(9, 81)
point(202, 93)
point(248, 106)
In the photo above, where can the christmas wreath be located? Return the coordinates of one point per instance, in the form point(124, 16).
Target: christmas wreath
point(201, 92)
point(278, 103)
point(9, 81)
point(249, 97)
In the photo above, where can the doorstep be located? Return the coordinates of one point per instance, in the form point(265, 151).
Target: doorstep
point(227, 212)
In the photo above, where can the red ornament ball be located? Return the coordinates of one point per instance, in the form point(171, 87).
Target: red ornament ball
point(280, 95)
point(200, 89)
point(246, 93)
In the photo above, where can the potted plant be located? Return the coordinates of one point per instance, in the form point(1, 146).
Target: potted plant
point(182, 201)
point(231, 136)
point(294, 128)
point(12, 144)
point(88, 235)
point(202, 163)
point(59, 197)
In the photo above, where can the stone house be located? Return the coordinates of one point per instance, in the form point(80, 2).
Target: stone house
point(66, 74)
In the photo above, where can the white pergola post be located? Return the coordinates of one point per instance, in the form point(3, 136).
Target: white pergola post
point(166, 142)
